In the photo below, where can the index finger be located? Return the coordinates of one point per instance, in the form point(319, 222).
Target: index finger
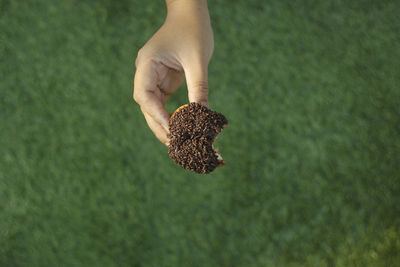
point(147, 94)
point(158, 131)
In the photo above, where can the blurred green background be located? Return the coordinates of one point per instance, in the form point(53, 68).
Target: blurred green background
point(311, 91)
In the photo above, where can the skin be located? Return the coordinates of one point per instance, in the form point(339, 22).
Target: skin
point(181, 48)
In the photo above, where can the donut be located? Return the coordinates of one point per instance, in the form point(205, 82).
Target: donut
point(193, 129)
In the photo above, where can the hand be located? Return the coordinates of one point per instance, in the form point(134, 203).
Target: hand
point(181, 48)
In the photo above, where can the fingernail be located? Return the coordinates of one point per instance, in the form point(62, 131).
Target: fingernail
point(204, 104)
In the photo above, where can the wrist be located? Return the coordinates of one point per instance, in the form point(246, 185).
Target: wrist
point(169, 2)
point(187, 7)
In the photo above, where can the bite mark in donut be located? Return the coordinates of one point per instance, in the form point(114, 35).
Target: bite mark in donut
point(193, 129)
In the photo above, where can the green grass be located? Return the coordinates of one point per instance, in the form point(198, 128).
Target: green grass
point(311, 90)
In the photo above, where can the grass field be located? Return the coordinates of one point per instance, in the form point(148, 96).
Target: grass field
point(311, 91)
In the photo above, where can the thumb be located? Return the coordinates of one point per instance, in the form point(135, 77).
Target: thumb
point(197, 83)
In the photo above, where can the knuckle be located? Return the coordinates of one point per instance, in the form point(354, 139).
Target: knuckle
point(139, 56)
point(136, 97)
point(201, 87)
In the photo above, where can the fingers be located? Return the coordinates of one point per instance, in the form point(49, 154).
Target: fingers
point(153, 106)
point(148, 95)
point(159, 131)
point(172, 81)
point(197, 82)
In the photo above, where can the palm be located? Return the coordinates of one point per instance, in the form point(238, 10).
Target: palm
point(168, 81)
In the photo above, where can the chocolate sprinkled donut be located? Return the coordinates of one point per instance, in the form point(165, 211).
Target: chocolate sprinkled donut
point(193, 129)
